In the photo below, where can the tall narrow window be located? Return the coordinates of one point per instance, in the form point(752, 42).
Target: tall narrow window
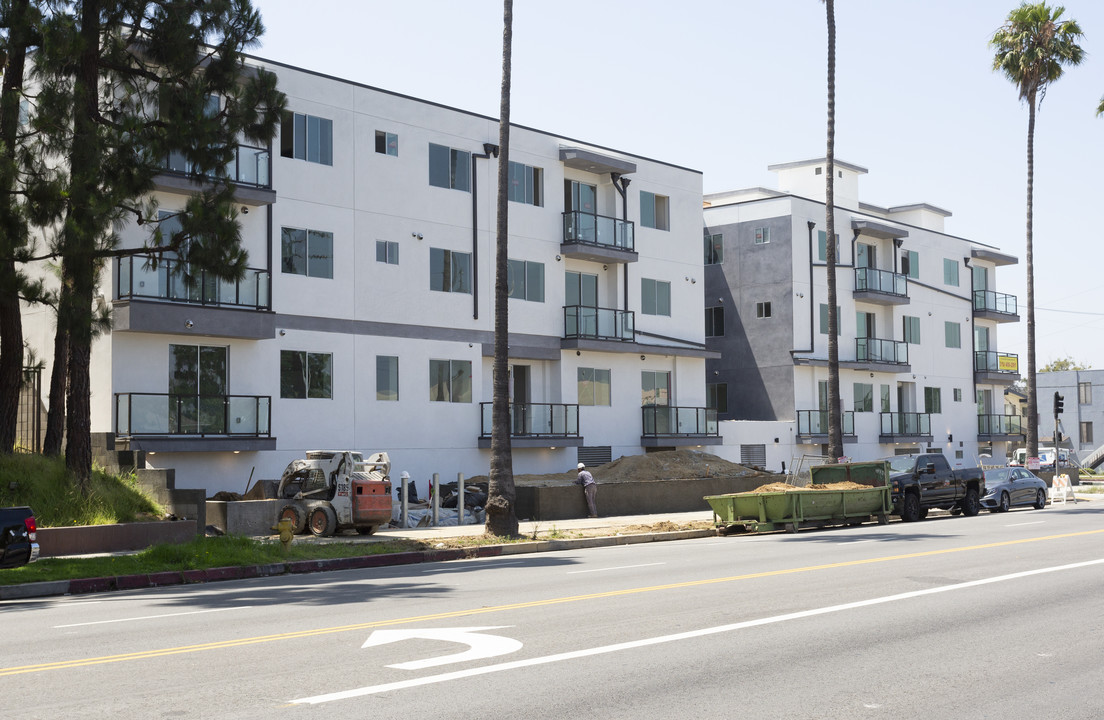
point(714, 249)
point(911, 329)
point(822, 246)
point(824, 320)
point(716, 397)
point(953, 331)
point(950, 272)
point(910, 264)
point(933, 402)
point(864, 397)
point(714, 322)
point(387, 378)
point(1084, 393)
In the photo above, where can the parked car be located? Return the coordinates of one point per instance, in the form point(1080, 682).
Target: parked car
point(1011, 487)
point(18, 542)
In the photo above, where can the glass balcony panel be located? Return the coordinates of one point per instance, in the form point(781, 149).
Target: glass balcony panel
point(997, 362)
point(598, 230)
point(664, 420)
point(881, 281)
point(172, 281)
point(167, 414)
point(581, 321)
point(995, 302)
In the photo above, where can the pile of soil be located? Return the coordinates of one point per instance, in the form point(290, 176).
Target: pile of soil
point(784, 487)
point(667, 465)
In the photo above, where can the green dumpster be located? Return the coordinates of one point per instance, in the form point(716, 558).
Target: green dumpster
point(793, 509)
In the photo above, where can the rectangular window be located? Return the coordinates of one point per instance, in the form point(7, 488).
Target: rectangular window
point(387, 252)
point(911, 329)
point(594, 386)
point(714, 249)
point(953, 333)
point(714, 322)
point(716, 397)
point(1086, 433)
point(950, 272)
point(958, 394)
point(824, 320)
point(822, 246)
point(655, 388)
point(525, 280)
point(306, 137)
point(307, 252)
point(655, 211)
point(449, 168)
point(526, 184)
point(387, 378)
point(1084, 393)
point(305, 374)
point(762, 309)
point(450, 381)
point(910, 264)
point(762, 235)
point(864, 397)
point(933, 400)
point(387, 143)
point(885, 398)
point(655, 297)
point(449, 271)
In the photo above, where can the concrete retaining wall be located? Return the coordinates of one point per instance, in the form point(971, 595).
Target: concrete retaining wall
point(243, 517)
point(629, 498)
point(94, 539)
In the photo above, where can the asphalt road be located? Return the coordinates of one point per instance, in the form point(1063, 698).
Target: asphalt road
point(999, 616)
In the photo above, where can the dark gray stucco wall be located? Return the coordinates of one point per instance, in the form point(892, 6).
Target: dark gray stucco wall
point(755, 352)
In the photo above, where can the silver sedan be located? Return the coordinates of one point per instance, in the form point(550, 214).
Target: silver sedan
point(1013, 486)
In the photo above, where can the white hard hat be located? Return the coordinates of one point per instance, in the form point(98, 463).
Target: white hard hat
point(404, 475)
point(580, 466)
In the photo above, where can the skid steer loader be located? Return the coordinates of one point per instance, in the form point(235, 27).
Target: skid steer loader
point(335, 490)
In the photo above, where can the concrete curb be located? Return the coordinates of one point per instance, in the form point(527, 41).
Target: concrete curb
point(173, 577)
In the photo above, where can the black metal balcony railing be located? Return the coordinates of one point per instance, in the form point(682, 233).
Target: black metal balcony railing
point(906, 423)
point(815, 422)
point(543, 420)
point(198, 415)
point(671, 421)
point(250, 166)
point(996, 362)
point(884, 351)
point(881, 281)
point(170, 280)
point(598, 230)
point(1000, 425)
point(987, 300)
point(597, 323)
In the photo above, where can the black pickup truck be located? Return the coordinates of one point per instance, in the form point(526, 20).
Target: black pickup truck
point(922, 482)
point(18, 544)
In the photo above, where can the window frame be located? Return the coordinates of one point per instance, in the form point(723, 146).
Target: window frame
point(388, 370)
point(310, 390)
point(950, 272)
point(299, 142)
point(716, 397)
point(588, 388)
point(530, 270)
point(655, 210)
point(955, 337)
point(389, 257)
point(714, 319)
point(714, 249)
point(448, 267)
point(863, 397)
point(455, 173)
point(933, 400)
point(763, 309)
point(761, 236)
point(1084, 393)
point(525, 184)
point(310, 242)
point(910, 329)
point(655, 306)
point(455, 394)
point(390, 142)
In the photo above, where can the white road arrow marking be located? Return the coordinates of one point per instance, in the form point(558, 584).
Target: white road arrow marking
point(480, 645)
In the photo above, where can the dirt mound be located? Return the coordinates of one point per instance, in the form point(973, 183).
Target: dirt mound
point(226, 496)
point(667, 465)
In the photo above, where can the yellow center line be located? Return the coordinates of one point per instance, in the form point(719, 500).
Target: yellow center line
point(146, 654)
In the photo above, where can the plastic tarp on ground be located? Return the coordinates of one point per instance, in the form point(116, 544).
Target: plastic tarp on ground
point(423, 517)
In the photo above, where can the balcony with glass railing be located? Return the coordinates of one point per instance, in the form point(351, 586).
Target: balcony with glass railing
point(544, 421)
point(594, 323)
point(669, 421)
point(997, 426)
point(597, 237)
point(875, 350)
point(813, 424)
point(197, 416)
point(997, 306)
point(169, 280)
point(996, 367)
point(905, 426)
point(251, 166)
point(881, 287)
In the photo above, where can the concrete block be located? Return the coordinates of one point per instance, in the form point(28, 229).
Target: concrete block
point(242, 517)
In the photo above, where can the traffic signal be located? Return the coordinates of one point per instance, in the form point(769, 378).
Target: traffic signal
point(1058, 403)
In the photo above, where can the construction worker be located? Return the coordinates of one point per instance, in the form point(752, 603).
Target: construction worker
point(590, 489)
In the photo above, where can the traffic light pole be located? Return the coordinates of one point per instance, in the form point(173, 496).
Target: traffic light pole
point(1058, 403)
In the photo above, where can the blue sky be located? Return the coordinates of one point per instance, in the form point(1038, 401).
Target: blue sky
point(730, 87)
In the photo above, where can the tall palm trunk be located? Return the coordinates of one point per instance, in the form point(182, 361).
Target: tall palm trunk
point(59, 381)
point(1032, 397)
point(835, 429)
point(501, 512)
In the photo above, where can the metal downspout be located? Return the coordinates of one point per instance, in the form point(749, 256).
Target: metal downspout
point(811, 225)
point(621, 185)
point(488, 150)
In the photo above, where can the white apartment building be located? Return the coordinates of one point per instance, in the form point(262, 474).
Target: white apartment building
point(919, 319)
point(366, 322)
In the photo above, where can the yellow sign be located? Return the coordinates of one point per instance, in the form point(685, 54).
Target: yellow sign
point(1008, 363)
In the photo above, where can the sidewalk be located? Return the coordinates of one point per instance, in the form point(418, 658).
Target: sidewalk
point(613, 532)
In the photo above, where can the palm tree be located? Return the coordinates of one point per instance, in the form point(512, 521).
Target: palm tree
point(501, 494)
point(1032, 48)
point(835, 425)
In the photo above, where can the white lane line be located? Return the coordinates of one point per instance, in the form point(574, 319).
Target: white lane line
point(576, 654)
point(490, 564)
point(1036, 522)
point(153, 617)
point(619, 567)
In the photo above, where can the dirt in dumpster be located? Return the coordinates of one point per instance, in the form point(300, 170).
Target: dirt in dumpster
point(785, 487)
point(650, 467)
